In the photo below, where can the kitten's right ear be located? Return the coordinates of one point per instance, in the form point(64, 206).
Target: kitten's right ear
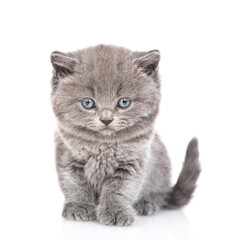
point(63, 64)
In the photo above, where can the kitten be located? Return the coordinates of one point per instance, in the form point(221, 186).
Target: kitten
point(111, 164)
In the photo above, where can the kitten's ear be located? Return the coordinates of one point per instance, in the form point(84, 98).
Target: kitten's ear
point(147, 61)
point(63, 64)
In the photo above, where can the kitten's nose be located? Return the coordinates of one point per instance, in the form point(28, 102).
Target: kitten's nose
point(106, 116)
point(106, 122)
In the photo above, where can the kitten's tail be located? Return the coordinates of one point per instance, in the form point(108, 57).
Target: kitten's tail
point(182, 191)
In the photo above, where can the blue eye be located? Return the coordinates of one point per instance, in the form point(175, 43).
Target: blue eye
point(88, 103)
point(124, 103)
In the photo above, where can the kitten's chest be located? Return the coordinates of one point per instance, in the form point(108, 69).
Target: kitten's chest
point(102, 162)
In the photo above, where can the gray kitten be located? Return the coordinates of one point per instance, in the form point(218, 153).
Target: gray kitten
point(111, 163)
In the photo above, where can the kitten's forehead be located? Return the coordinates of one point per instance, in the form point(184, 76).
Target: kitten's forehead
point(103, 54)
point(106, 61)
point(106, 68)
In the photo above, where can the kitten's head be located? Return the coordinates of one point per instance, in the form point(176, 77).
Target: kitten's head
point(105, 91)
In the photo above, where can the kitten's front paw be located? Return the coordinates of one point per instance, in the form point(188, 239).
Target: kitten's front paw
point(79, 211)
point(145, 207)
point(117, 216)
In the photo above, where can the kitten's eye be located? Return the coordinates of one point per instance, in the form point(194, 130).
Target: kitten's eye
point(88, 103)
point(124, 103)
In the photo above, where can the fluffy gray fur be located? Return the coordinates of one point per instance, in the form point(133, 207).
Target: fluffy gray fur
point(113, 172)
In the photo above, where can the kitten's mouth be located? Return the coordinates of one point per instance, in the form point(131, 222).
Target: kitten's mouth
point(106, 130)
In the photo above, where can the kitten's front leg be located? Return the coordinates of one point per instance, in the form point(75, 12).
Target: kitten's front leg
point(117, 198)
point(79, 194)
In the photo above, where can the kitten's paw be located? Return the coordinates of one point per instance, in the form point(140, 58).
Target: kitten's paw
point(79, 211)
point(145, 207)
point(117, 216)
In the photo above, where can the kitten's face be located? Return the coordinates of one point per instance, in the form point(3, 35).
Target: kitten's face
point(104, 91)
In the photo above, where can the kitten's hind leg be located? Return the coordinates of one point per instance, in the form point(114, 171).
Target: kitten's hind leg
point(146, 206)
point(149, 205)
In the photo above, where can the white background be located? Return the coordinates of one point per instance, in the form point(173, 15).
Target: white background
point(198, 41)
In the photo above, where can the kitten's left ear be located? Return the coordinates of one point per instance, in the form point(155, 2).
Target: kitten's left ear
point(147, 61)
point(63, 64)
